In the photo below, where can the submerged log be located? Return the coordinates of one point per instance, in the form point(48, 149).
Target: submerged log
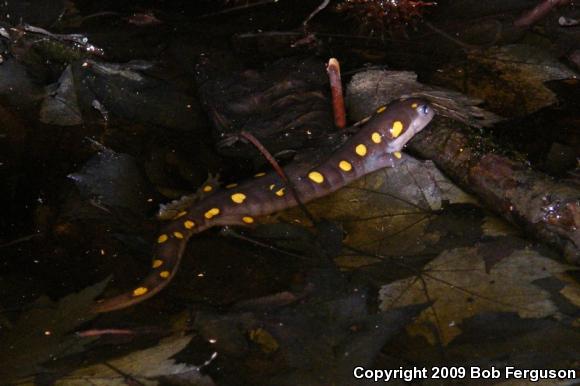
point(545, 207)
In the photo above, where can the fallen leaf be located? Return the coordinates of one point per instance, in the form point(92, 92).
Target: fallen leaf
point(387, 212)
point(42, 333)
point(113, 181)
point(61, 107)
point(143, 366)
point(458, 287)
point(510, 78)
point(318, 340)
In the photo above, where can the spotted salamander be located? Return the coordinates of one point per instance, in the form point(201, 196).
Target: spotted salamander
point(376, 145)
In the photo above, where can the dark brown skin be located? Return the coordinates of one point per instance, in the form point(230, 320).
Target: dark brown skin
point(375, 146)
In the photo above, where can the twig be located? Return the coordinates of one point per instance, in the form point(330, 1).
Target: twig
point(232, 233)
point(333, 70)
point(254, 141)
point(447, 36)
point(108, 331)
point(258, 145)
point(22, 240)
point(315, 12)
point(537, 13)
point(234, 9)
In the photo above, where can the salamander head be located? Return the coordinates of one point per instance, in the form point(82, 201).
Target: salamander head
point(405, 119)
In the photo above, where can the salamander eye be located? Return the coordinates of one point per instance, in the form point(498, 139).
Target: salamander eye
point(424, 109)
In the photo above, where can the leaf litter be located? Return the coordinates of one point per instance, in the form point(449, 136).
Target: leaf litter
point(459, 287)
point(389, 220)
point(43, 333)
point(142, 366)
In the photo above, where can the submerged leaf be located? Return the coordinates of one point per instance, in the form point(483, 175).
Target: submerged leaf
point(459, 287)
point(42, 333)
point(315, 341)
point(113, 181)
point(510, 78)
point(372, 88)
point(142, 366)
point(61, 107)
point(388, 212)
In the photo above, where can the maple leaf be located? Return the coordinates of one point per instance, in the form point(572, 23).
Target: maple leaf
point(143, 367)
point(387, 212)
point(42, 333)
point(458, 286)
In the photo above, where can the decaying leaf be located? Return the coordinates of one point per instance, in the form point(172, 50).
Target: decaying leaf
point(509, 78)
point(113, 180)
point(42, 333)
point(315, 341)
point(372, 88)
point(387, 212)
point(459, 287)
point(144, 366)
point(60, 107)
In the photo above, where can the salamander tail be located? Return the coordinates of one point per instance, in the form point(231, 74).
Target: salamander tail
point(169, 249)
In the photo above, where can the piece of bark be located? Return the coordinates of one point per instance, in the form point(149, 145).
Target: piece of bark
point(547, 208)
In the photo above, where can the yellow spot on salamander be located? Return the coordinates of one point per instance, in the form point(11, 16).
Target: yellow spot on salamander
point(280, 192)
point(414, 106)
point(376, 137)
point(316, 177)
point(272, 186)
point(157, 263)
point(231, 186)
point(164, 274)
point(211, 213)
point(178, 235)
point(207, 188)
point(345, 165)
point(161, 239)
point(396, 129)
point(238, 198)
point(381, 109)
point(361, 150)
point(139, 291)
point(262, 174)
point(247, 219)
point(180, 214)
point(398, 154)
point(188, 224)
